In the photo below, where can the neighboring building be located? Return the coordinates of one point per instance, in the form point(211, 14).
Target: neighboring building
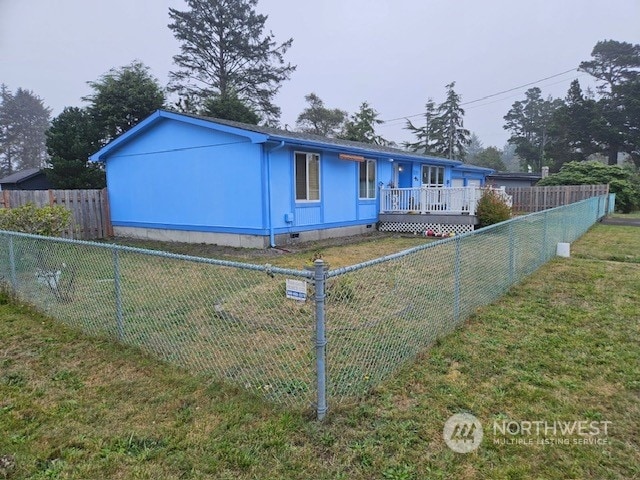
point(510, 179)
point(29, 179)
point(187, 178)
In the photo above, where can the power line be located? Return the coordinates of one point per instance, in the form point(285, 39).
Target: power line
point(491, 95)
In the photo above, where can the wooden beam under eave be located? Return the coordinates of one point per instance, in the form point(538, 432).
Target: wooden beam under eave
point(353, 158)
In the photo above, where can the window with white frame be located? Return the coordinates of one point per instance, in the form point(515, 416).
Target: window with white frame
point(367, 179)
point(307, 176)
point(432, 176)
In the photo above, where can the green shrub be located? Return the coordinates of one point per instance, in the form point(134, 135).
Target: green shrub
point(492, 208)
point(623, 181)
point(50, 220)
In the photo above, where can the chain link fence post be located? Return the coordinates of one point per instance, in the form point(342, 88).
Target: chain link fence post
point(321, 340)
point(545, 248)
point(12, 266)
point(456, 287)
point(118, 294)
point(512, 253)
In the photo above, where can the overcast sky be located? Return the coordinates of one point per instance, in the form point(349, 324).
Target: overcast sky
point(392, 53)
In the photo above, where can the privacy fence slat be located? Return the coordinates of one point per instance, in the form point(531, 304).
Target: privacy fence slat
point(90, 212)
point(536, 199)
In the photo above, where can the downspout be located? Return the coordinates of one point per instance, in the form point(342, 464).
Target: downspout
point(272, 238)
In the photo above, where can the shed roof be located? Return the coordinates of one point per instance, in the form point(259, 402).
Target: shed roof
point(20, 176)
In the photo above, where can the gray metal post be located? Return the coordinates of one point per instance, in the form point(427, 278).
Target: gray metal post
point(512, 253)
point(456, 280)
point(545, 247)
point(321, 340)
point(12, 266)
point(118, 294)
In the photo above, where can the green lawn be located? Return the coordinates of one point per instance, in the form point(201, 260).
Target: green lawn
point(561, 346)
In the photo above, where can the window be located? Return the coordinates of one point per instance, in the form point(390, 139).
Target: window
point(432, 176)
point(367, 177)
point(307, 176)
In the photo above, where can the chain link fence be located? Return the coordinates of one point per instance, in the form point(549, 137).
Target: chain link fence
point(233, 321)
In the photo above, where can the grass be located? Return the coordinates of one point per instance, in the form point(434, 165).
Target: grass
point(563, 345)
point(338, 252)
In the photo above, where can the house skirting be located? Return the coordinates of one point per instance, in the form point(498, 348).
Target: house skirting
point(190, 236)
point(238, 239)
point(416, 223)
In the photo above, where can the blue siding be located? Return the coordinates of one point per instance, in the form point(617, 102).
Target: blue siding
point(339, 189)
point(178, 174)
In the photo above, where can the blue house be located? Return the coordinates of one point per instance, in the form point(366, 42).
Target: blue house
point(186, 178)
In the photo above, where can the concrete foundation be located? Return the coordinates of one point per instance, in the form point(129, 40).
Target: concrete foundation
point(239, 240)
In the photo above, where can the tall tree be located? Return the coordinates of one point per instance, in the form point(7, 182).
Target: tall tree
point(571, 129)
point(450, 136)
point(223, 51)
point(510, 159)
point(320, 120)
point(617, 66)
point(474, 148)
point(74, 136)
point(123, 97)
point(361, 126)
point(424, 134)
point(229, 108)
point(24, 119)
point(528, 121)
point(490, 157)
point(613, 63)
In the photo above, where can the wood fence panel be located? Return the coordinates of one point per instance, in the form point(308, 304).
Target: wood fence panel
point(536, 199)
point(90, 217)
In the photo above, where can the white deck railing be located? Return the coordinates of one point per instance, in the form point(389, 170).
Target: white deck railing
point(445, 200)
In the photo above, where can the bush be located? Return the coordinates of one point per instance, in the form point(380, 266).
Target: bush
point(50, 220)
point(492, 208)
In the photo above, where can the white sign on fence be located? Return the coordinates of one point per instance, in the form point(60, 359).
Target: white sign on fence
point(296, 289)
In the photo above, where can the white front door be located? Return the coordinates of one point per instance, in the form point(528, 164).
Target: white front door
point(457, 182)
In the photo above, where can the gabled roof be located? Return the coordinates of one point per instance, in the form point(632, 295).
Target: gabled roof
point(20, 176)
point(263, 134)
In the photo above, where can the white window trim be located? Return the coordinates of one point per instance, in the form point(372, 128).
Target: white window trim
point(295, 182)
point(432, 184)
point(367, 162)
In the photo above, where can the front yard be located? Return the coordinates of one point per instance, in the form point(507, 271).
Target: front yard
point(561, 346)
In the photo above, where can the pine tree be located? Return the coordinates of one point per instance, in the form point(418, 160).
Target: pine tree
point(425, 134)
point(223, 52)
point(74, 136)
point(319, 120)
point(450, 136)
point(123, 97)
point(361, 126)
point(23, 122)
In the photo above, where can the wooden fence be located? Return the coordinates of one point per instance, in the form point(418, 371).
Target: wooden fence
point(536, 199)
point(90, 217)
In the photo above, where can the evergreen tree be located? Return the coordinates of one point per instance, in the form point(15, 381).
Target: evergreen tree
point(474, 148)
point(571, 129)
point(229, 108)
point(617, 66)
point(361, 126)
point(319, 120)
point(223, 52)
point(450, 136)
point(490, 157)
point(123, 97)
point(23, 122)
point(424, 134)
point(528, 121)
point(74, 136)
